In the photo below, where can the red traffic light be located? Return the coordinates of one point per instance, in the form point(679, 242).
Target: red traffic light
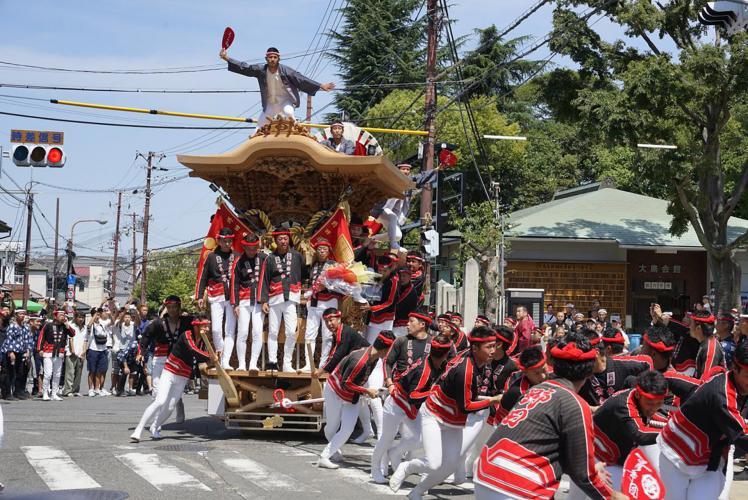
point(54, 155)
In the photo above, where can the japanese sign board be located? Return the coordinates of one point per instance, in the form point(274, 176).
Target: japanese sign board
point(37, 137)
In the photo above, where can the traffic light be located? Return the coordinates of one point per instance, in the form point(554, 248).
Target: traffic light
point(21, 155)
point(430, 243)
point(38, 155)
point(730, 15)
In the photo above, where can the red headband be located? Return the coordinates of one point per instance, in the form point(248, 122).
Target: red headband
point(283, 232)
point(617, 339)
point(226, 236)
point(484, 320)
point(385, 340)
point(272, 52)
point(540, 363)
point(321, 243)
point(437, 345)
point(658, 346)
point(511, 321)
point(422, 317)
point(199, 322)
point(500, 337)
point(172, 301)
point(481, 340)
point(649, 395)
point(703, 319)
point(335, 314)
point(251, 244)
point(414, 257)
point(573, 353)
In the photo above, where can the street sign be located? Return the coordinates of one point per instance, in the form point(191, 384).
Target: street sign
point(37, 137)
point(71, 279)
point(70, 294)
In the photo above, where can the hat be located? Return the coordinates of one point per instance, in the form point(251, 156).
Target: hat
point(272, 51)
point(570, 305)
point(601, 310)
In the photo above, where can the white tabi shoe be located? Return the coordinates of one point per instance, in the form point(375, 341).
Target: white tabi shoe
point(46, 397)
point(363, 438)
point(134, 438)
point(397, 478)
point(377, 477)
point(155, 433)
point(55, 397)
point(337, 457)
point(325, 463)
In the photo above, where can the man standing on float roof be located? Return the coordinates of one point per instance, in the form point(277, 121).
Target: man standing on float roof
point(279, 84)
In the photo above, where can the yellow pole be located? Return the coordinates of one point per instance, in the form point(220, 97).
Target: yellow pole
point(219, 117)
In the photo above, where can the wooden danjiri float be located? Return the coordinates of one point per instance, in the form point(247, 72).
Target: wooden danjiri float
point(282, 175)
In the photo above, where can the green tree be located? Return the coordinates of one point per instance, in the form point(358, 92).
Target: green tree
point(378, 45)
point(692, 96)
point(172, 272)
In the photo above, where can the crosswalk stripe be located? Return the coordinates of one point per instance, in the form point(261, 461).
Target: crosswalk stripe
point(362, 479)
point(159, 473)
point(263, 477)
point(57, 469)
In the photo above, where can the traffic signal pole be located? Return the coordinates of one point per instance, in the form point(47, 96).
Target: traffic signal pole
point(27, 257)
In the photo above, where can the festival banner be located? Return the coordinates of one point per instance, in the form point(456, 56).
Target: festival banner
point(224, 217)
point(336, 231)
point(640, 479)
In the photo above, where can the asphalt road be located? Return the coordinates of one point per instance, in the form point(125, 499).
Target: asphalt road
point(83, 442)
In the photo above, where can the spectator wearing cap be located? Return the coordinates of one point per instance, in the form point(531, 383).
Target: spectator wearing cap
point(723, 330)
point(15, 351)
point(279, 84)
point(337, 142)
point(602, 317)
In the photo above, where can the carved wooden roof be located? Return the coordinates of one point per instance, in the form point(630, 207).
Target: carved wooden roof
point(284, 172)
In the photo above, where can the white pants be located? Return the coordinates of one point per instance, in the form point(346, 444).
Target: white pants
point(400, 331)
point(375, 380)
point(248, 314)
point(484, 434)
point(340, 419)
point(391, 220)
point(373, 330)
point(470, 433)
point(217, 312)
point(314, 322)
point(287, 311)
point(483, 493)
point(442, 446)
point(157, 371)
point(52, 371)
point(172, 387)
point(394, 418)
point(684, 486)
point(282, 108)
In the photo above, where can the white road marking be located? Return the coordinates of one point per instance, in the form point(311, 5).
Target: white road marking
point(57, 469)
point(262, 476)
point(359, 478)
point(160, 474)
point(292, 451)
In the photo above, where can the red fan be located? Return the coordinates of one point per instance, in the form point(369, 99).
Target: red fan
point(228, 38)
point(640, 479)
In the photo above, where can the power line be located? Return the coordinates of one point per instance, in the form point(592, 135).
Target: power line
point(111, 124)
point(530, 11)
point(113, 189)
point(128, 91)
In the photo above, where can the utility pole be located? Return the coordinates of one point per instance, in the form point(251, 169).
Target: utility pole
point(432, 12)
point(134, 253)
point(146, 216)
point(308, 108)
point(27, 258)
point(57, 245)
point(116, 247)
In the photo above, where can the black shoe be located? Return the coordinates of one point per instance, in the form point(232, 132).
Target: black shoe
point(741, 476)
point(11, 398)
point(272, 367)
point(23, 396)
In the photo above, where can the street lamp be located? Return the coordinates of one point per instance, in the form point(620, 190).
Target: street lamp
point(501, 243)
point(70, 241)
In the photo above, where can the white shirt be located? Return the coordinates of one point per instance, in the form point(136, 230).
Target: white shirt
point(102, 328)
point(78, 340)
point(122, 335)
point(277, 92)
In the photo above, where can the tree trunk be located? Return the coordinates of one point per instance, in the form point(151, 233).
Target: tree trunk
point(489, 279)
point(727, 276)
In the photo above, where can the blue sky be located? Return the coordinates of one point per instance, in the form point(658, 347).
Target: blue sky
point(157, 34)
